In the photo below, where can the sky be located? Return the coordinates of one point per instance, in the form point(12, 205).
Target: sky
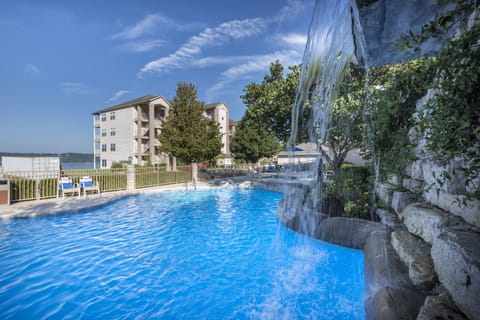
point(62, 60)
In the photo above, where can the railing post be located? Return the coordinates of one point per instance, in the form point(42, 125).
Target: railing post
point(131, 178)
point(37, 189)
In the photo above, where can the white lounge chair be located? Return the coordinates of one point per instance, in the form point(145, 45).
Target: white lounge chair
point(88, 185)
point(66, 186)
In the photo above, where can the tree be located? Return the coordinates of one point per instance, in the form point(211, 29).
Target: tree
point(186, 133)
point(271, 101)
point(252, 142)
point(346, 126)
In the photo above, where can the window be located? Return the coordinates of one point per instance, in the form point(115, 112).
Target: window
point(104, 132)
point(104, 163)
point(104, 117)
point(112, 147)
point(104, 147)
point(112, 131)
point(112, 115)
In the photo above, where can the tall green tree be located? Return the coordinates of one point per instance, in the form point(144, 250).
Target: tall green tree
point(252, 142)
point(270, 102)
point(186, 133)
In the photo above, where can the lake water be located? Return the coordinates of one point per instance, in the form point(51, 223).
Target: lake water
point(78, 165)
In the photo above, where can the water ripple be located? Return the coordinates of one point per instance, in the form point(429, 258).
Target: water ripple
point(204, 254)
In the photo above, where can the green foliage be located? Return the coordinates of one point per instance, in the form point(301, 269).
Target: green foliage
point(346, 125)
point(394, 90)
point(451, 119)
point(252, 142)
point(117, 165)
point(350, 194)
point(186, 133)
point(271, 101)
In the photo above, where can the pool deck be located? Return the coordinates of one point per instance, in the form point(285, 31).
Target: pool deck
point(72, 204)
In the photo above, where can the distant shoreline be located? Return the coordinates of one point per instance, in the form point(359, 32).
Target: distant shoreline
point(66, 157)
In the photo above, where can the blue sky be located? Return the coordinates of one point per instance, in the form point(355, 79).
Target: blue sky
point(62, 60)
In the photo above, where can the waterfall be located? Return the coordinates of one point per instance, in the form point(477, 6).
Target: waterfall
point(335, 38)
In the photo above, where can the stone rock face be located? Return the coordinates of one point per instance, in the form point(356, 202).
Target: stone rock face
point(389, 292)
point(440, 307)
point(402, 199)
point(384, 192)
point(412, 185)
point(456, 256)
point(415, 253)
point(389, 219)
point(394, 303)
point(348, 232)
point(424, 220)
point(384, 20)
point(470, 211)
point(296, 214)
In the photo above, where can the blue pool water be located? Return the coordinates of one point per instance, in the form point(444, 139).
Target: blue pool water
point(213, 254)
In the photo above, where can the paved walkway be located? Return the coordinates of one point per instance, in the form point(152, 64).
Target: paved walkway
point(48, 207)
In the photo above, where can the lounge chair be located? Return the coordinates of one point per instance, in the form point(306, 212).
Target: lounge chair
point(65, 186)
point(87, 184)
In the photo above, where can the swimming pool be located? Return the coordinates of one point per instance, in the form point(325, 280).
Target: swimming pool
point(205, 254)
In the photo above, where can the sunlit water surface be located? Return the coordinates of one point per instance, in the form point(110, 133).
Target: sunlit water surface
point(213, 254)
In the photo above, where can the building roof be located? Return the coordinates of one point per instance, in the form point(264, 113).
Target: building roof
point(134, 102)
point(215, 104)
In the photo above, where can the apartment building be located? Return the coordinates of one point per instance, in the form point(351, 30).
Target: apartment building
point(127, 132)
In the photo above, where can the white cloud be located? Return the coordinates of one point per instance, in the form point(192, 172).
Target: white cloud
point(118, 95)
point(32, 69)
point(291, 10)
point(294, 39)
point(219, 60)
point(262, 63)
point(255, 64)
point(149, 26)
point(209, 37)
point(76, 88)
point(146, 26)
point(141, 46)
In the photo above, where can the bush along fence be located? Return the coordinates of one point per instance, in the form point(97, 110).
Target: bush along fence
point(37, 185)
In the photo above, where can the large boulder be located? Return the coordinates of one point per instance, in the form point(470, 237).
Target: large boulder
point(467, 209)
point(456, 256)
point(425, 221)
point(348, 232)
point(389, 292)
point(415, 253)
point(395, 304)
point(440, 307)
point(400, 200)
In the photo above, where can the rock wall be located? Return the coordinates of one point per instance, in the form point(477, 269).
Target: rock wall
point(386, 20)
point(441, 243)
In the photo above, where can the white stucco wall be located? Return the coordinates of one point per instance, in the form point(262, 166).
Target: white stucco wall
point(123, 124)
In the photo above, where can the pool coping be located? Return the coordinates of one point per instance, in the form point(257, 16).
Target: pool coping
point(74, 204)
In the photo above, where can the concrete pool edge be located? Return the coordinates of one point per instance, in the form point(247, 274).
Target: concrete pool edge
point(54, 206)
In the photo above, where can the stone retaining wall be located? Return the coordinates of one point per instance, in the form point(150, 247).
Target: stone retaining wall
point(441, 244)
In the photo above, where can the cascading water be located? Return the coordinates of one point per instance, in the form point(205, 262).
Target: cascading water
point(335, 39)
